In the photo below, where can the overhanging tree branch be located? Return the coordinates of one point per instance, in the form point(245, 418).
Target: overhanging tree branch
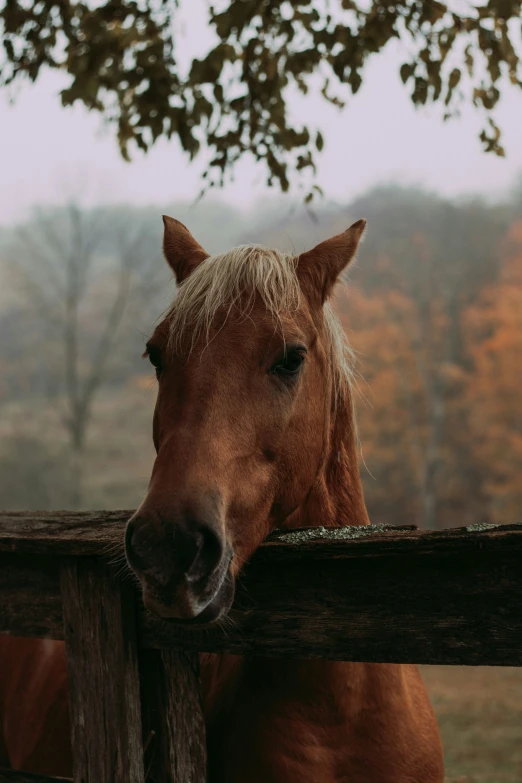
point(120, 56)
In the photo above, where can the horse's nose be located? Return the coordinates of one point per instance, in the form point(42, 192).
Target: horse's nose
point(184, 549)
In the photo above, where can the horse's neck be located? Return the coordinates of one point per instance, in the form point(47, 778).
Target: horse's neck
point(336, 498)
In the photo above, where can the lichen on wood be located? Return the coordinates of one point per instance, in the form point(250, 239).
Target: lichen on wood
point(333, 533)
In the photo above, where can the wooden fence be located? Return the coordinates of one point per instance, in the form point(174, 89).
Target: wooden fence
point(375, 594)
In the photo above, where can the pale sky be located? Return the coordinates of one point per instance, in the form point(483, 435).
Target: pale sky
point(49, 154)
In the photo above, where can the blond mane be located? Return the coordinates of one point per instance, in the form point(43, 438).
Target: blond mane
point(236, 279)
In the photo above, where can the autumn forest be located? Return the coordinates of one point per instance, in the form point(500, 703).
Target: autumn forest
point(436, 319)
point(433, 311)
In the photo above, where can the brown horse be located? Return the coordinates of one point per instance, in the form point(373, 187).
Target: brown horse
point(254, 429)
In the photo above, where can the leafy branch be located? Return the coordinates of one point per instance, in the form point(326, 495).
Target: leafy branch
point(120, 56)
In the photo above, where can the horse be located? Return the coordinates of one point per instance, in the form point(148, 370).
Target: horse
point(254, 429)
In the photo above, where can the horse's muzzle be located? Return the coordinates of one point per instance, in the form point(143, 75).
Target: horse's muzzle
point(183, 563)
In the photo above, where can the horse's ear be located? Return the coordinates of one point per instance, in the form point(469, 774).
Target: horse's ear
point(182, 253)
point(319, 269)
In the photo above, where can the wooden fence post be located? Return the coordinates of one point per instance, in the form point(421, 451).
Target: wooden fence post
point(173, 723)
point(100, 639)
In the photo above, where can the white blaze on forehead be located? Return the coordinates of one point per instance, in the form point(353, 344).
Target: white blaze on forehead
point(236, 279)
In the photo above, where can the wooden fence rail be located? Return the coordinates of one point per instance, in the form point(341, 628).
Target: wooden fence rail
point(376, 594)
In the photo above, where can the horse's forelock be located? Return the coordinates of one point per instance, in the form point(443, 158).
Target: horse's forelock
point(234, 279)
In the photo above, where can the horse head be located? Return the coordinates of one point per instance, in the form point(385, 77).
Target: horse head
point(252, 366)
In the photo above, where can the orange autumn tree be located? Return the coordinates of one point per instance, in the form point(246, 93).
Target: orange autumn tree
point(385, 399)
point(401, 401)
point(410, 392)
point(423, 262)
point(494, 389)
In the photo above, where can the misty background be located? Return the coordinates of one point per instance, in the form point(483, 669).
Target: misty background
point(433, 309)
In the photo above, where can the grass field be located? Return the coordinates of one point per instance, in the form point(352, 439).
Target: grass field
point(480, 717)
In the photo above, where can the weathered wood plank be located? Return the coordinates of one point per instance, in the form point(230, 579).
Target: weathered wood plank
point(173, 723)
point(100, 638)
point(101, 533)
point(62, 532)
point(316, 544)
point(13, 776)
point(441, 597)
point(461, 609)
point(30, 603)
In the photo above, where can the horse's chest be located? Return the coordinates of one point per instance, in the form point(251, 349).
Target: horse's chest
point(274, 731)
point(262, 738)
point(240, 755)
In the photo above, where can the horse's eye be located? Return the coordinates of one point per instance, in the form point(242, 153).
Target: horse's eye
point(289, 365)
point(154, 355)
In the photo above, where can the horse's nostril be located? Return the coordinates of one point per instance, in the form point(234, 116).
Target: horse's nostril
point(207, 551)
point(135, 541)
point(187, 549)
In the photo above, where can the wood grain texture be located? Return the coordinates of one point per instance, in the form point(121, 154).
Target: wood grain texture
point(30, 601)
point(100, 638)
point(13, 776)
point(101, 533)
point(381, 595)
point(173, 723)
point(461, 609)
point(62, 532)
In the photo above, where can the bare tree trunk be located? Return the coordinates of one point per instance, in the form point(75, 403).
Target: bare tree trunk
point(76, 488)
point(430, 481)
point(429, 448)
point(78, 437)
point(59, 288)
